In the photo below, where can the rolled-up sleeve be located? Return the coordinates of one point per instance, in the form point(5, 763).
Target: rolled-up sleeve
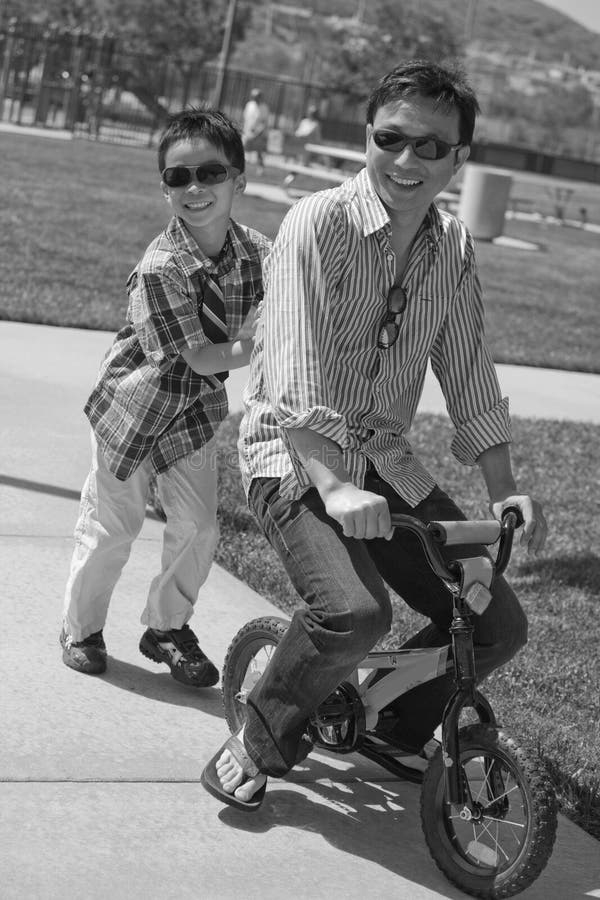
point(165, 316)
point(462, 363)
point(300, 280)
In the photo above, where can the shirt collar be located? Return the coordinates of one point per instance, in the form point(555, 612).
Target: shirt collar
point(234, 248)
point(374, 215)
point(372, 212)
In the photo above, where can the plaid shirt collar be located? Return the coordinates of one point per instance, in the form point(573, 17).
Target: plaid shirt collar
point(191, 257)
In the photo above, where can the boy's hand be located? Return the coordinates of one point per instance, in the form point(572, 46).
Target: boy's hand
point(248, 326)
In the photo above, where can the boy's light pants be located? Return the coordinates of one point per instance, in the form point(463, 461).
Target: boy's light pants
point(111, 515)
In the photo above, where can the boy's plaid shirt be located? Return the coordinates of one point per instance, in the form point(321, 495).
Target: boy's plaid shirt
point(147, 400)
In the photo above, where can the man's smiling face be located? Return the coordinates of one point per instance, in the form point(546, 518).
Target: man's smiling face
point(405, 183)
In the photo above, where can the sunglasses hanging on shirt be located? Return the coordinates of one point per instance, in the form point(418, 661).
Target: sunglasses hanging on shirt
point(390, 326)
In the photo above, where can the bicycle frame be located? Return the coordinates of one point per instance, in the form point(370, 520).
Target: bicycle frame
point(469, 581)
point(488, 810)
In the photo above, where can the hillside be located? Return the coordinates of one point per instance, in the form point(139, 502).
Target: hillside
point(513, 26)
point(526, 26)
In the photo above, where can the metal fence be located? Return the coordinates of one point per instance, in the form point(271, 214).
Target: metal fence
point(88, 84)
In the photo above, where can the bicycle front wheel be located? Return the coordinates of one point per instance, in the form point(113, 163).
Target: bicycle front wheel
point(246, 659)
point(500, 849)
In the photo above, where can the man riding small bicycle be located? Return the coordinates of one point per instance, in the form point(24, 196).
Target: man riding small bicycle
point(367, 284)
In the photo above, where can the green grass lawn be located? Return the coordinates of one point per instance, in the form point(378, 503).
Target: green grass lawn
point(77, 215)
point(76, 218)
point(547, 697)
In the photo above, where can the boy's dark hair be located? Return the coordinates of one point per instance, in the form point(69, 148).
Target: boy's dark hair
point(203, 122)
point(447, 85)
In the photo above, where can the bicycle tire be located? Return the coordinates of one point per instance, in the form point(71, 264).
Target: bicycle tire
point(503, 853)
point(246, 659)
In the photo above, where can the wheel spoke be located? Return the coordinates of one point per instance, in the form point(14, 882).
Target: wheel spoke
point(494, 840)
point(490, 782)
point(486, 834)
point(503, 795)
point(247, 657)
point(255, 669)
point(505, 821)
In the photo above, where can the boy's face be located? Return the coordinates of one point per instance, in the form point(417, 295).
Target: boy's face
point(205, 208)
point(406, 183)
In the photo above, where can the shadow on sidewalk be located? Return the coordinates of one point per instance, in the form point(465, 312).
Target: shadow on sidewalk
point(369, 821)
point(162, 687)
point(53, 490)
point(380, 823)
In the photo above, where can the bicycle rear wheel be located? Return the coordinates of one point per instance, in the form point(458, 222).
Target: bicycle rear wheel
point(245, 661)
point(504, 847)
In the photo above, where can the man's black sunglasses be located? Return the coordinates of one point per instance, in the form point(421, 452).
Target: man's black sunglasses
point(423, 147)
point(208, 174)
point(390, 326)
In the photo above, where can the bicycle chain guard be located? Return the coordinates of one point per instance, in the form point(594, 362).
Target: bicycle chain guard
point(339, 722)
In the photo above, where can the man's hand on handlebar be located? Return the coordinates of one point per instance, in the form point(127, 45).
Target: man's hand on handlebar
point(361, 514)
point(535, 528)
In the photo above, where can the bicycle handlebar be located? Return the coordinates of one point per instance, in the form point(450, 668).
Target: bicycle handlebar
point(483, 531)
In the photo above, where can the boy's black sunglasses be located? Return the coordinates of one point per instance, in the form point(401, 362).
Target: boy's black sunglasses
point(209, 173)
point(423, 147)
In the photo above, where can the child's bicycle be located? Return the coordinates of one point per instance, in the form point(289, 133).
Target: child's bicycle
point(487, 809)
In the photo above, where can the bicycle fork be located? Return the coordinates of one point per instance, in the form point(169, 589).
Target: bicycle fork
point(466, 694)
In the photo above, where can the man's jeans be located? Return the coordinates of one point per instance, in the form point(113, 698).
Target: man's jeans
point(347, 609)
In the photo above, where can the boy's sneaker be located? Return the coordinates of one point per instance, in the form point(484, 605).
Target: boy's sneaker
point(88, 656)
point(179, 649)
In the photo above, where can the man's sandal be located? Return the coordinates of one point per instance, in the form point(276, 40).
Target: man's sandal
point(210, 780)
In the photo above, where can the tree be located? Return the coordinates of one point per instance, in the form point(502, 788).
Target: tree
point(145, 34)
point(355, 53)
point(269, 47)
point(568, 105)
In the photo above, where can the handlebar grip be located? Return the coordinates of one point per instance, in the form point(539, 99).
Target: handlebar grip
point(517, 513)
point(482, 531)
point(485, 531)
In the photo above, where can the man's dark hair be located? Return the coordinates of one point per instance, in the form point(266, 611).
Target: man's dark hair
point(203, 122)
point(446, 85)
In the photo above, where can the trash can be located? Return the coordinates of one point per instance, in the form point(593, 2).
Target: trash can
point(484, 200)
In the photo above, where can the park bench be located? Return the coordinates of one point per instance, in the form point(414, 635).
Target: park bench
point(340, 154)
point(330, 177)
point(520, 204)
point(328, 174)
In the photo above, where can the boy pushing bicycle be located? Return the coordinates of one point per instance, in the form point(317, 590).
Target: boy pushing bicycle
point(159, 400)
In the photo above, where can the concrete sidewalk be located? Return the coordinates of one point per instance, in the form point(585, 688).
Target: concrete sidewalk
point(100, 794)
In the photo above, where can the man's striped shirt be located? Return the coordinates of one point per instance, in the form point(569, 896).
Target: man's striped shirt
point(316, 363)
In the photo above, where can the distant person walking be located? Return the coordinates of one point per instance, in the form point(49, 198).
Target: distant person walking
point(309, 129)
point(254, 127)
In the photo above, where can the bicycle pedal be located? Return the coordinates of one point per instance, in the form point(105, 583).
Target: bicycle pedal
point(411, 760)
point(382, 754)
